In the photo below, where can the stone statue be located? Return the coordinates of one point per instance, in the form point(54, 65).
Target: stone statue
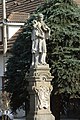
point(37, 35)
point(43, 94)
point(40, 33)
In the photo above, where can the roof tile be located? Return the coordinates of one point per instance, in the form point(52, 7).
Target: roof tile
point(18, 17)
point(26, 6)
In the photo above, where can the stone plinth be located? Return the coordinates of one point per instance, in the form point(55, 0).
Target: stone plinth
point(39, 90)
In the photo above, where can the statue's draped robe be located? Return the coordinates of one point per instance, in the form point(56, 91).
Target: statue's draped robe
point(38, 37)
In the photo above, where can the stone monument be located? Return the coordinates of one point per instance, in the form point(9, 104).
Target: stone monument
point(39, 77)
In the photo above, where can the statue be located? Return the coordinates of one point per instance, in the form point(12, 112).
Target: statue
point(37, 35)
point(40, 33)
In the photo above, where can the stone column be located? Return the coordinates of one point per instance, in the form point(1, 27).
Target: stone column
point(39, 90)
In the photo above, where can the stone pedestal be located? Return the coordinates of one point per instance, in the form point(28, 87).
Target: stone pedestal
point(39, 90)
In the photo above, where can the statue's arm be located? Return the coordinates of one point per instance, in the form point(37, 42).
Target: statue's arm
point(39, 35)
point(45, 27)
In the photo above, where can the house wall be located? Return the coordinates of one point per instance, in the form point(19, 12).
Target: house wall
point(0, 84)
point(1, 74)
point(1, 65)
point(0, 33)
point(1, 68)
point(0, 93)
point(12, 30)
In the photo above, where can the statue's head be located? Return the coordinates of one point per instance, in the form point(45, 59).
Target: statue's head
point(40, 16)
point(34, 22)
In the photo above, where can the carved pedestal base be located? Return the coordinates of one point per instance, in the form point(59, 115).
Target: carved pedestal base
point(39, 90)
point(41, 117)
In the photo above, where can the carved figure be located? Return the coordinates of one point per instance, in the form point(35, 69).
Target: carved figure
point(40, 33)
point(37, 35)
point(43, 94)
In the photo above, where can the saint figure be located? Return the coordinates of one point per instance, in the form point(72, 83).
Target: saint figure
point(40, 33)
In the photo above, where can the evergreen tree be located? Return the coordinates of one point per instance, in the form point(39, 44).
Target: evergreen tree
point(63, 17)
point(63, 56)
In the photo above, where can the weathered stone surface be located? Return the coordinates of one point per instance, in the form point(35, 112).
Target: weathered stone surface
point(41, 117)
point(39, 89)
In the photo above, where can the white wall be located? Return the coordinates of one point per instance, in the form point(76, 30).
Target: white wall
point(0, 94)
point(1, 65)
point(0, 84)
point(0, 34)
point(12, 30)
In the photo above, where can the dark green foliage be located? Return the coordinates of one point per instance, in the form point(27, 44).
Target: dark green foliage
point(63, 17)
